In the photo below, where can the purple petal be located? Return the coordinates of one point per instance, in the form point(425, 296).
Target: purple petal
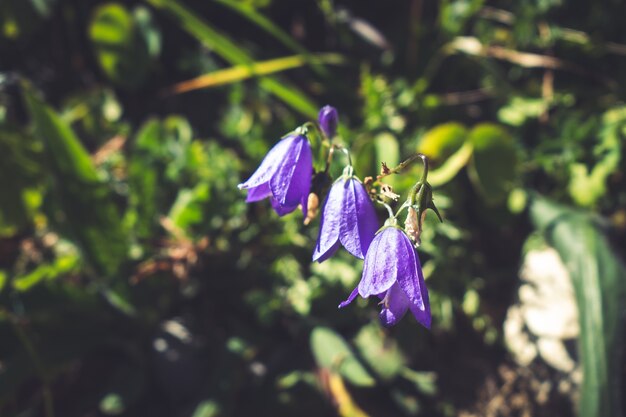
point(382, 265)
point(411, 281)
point(395, 305)
point(291, 182)
point(351, 298)
point(330, 223)
point(359, 222)
point(258, 193)
point(321, 257)
point(270, 163)
point(280, 209)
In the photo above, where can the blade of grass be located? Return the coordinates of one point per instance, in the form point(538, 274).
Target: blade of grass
point(597, 275)
point(243, 72)
point(250, 13)
point(234, 54)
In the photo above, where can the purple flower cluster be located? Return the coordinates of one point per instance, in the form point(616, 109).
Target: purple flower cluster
point(391, 269)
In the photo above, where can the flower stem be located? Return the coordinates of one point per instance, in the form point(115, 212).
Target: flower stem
point(403, 165)
point(388, 207)
point(331, 151)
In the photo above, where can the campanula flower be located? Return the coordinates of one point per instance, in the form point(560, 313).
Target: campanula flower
point(284, 176)
point(348, 219)
point(392, 271)
point(328, 120)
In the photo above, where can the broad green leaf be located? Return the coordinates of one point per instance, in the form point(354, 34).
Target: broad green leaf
point(332, 352)
point(124, 43)
point(88, 210)
point(598, 278)
point(493, 168)
point(455, 163)
point(442, 140)
point(235, 55)
point(382, 354)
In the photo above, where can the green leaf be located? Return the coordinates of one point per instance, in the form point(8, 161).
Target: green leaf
point(88, 210)
point(382, 354)
point(493, 168)
point(520, 109)
point(224, 47)
point(587, 187)
point(207, 408)
point(45, 271)
point(455, 13)
point(598, 278)
point(124, 43)
point(442, 140)
point(332, 352)
point(188, 209)
point(455, 163)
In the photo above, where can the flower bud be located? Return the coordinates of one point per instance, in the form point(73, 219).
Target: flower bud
point(328, 120)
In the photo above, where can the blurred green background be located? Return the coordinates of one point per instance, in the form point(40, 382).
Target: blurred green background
point(135, 281)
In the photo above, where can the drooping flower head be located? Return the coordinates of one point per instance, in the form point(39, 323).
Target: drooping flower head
point(348, 219)
point(392, 271)
point(328, 120)
point(284, 176)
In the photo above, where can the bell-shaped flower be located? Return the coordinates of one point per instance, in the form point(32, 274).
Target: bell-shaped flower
point(348, 219)
point(392, 271)
point(284, 176)
point(328, 120)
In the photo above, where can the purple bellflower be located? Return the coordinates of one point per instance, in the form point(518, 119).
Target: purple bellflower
point(392, 271)
point(328, 120)
point(284, 176)
point(348, 219)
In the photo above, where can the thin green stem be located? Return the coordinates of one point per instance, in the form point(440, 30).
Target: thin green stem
point(345, 150)
point(388, 207)
point(404, 164)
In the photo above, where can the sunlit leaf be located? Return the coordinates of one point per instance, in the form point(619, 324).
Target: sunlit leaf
point(442, 140)
point(381, 353)
point(493, 168)
point(455, 163)
point(332, 352)
point(243, 72)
